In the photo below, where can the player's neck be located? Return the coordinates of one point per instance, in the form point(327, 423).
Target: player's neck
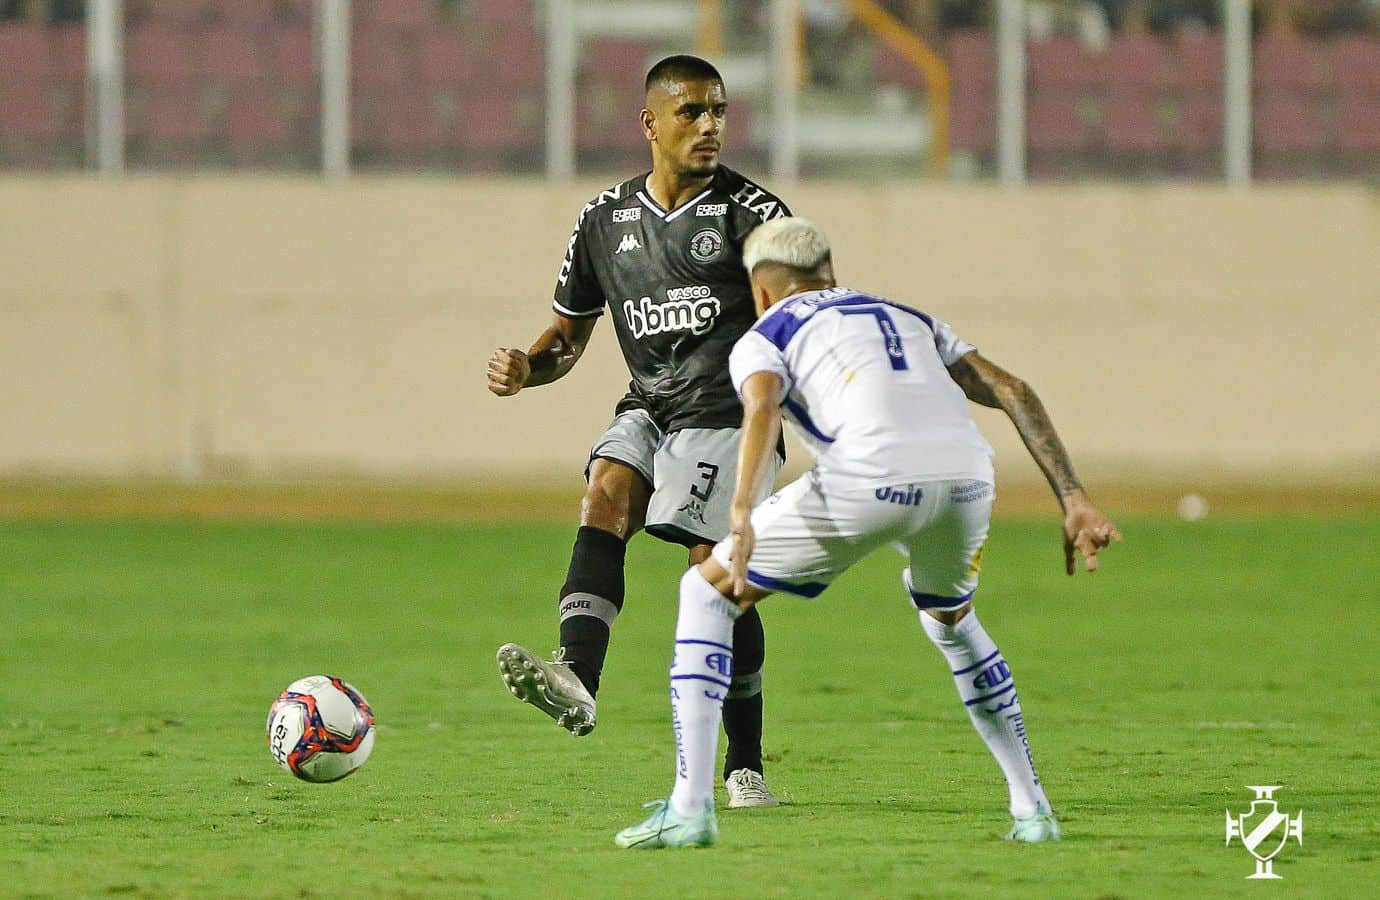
point(805, 285)
point(671, 189)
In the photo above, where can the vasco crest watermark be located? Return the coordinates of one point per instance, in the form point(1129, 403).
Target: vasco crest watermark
point(1264, 830)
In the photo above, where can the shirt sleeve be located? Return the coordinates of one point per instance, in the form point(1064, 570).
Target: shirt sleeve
point(755, 353)
point(578, 294)
point(951, 347)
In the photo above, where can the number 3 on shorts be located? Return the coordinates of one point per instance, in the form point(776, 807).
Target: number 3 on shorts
point(709, 473)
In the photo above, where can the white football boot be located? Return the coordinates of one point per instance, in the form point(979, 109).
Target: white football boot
point(667, 828)
point(549, 686)
point(1037, 828)
point(747, 789)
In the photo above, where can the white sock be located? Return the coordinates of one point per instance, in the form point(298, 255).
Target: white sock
point(988, 691)
point(701, 673)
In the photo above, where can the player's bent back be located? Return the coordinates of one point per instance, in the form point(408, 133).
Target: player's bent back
point(866, 386)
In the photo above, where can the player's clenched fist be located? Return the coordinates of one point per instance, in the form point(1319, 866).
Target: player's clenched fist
point(508, 371)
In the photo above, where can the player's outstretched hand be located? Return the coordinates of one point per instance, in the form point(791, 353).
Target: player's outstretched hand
point(1087, 531)
point(508, 371)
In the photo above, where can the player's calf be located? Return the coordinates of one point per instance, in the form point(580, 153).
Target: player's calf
point(988, 691)
point(590, 600)
point(700, 677)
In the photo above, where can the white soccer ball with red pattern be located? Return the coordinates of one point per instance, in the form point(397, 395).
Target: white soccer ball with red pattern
point(320, 729)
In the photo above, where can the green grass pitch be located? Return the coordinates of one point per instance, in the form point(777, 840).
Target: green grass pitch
point(138, 661)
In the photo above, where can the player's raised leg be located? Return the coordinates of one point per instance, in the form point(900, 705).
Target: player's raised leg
point(945, 559)
point(565, 687)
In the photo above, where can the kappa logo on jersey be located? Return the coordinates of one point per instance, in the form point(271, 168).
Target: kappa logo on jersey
point(759, 202)
point(629, 242)
point(706, 245)
point(711, 209)
point(632, 214)
point(691, 309)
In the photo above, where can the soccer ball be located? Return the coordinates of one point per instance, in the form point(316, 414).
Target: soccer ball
point(320, 729)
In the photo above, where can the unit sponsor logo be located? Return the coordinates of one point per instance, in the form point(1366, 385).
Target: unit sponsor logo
point(711, 209)
point(632, 214)
point(908, 495)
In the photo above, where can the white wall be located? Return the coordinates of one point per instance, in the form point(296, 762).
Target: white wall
point(283, 326)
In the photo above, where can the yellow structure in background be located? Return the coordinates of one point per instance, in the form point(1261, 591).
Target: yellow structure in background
point(709, 38)
point(709, 41)
point(931, 67)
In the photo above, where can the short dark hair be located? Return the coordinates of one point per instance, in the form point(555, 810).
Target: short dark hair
point(682, 67)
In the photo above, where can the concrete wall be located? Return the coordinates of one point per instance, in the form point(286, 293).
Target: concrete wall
point(270, 326)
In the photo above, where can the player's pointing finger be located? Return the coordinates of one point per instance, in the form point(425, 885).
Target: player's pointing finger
point(1088, 546)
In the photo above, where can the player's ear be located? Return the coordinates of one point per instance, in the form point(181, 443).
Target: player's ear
point(648, 124)
point(761, 297)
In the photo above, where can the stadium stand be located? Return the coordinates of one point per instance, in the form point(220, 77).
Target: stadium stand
point(459, 84)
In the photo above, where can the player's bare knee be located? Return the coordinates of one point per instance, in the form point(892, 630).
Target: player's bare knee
point(615, 498)
point(606, 509)
point(950, 617)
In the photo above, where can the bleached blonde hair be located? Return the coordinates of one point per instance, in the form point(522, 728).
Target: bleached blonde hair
point(790, 241)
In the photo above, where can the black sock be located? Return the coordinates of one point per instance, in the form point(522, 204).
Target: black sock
point(743, 706)
point(590, 600)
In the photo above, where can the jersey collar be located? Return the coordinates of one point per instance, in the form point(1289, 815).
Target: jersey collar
point(645, 196)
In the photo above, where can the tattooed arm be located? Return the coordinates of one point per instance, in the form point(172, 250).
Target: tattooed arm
point(990, 385)
point(1086, 529)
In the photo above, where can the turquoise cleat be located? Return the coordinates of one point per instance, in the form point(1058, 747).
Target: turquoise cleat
point(1036, 829)
point(667, 828)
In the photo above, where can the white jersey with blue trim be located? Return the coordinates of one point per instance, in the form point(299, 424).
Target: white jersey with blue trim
point(867, 387)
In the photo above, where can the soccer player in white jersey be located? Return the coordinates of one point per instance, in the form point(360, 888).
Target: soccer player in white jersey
point(878, 392)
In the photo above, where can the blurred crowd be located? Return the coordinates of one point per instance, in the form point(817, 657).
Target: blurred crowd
point(50, 11)
point(1115, 87)
point(931, 18)
point(1094, 17)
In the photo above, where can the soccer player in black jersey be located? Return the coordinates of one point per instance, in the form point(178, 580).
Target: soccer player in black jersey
point(662, 254)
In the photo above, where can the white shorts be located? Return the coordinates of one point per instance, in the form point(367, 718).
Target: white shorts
point(808, 534)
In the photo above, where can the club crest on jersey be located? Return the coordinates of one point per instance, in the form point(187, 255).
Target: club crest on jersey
point(629, 242)
point(691, 309)
point(706, 245)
